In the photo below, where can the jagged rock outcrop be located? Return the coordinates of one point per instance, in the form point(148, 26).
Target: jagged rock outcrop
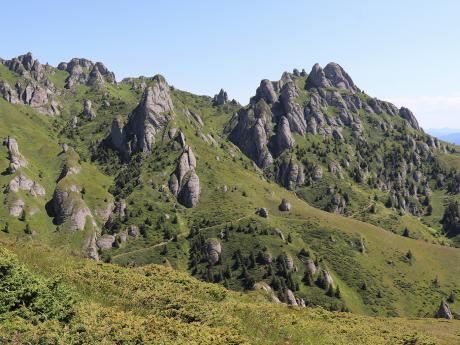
point(291, 174)
point(27, 66)
point(22, 182)
point(290, 298)
point(221, 98)
point(147, 120)
point(91, 248)
point(444, 311)
point(285, 205)
point(106, 241)
point(283, 139)
point(34, 89)
point(184, 183)
point(193, 116)
point(16, 159)
point(407, 115)
point(213, 250)
point(338, 77)
point(69, 208)
point(86, 72)
point(328, 281)
point(88, 111)
point(263, 130)
point(251, 134)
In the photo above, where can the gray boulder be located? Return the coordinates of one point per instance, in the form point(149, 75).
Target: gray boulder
point(16, 159)
point(285, 205)
point(263, 212)
point(213, 249)
point(444, 311)
point(105, 241)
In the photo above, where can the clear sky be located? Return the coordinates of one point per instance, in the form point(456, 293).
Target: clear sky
point(407, 52)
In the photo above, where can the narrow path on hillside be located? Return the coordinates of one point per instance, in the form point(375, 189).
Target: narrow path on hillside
point(171, 239)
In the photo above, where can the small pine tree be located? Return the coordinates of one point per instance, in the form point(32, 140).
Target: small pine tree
point(27, 229)
point(308, 279)
point(379, 294)
point(289, 238)
point(406, 232)
point(364, 286)
point(338, 294)
point(6, 228)
point(451, 298)
point(330, 291)
point(23, 217)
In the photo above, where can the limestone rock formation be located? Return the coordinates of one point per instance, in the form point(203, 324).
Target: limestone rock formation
point(285, 205)
point(86, 72)
point(16, 159)
point(444, 311)
point(106, 241)
point(338, 77)
point(69, 208)
point(221, 98)
point(88, 111)
point(213, 249)
point(34, 89)
point(291, 174)
point(184, 183)
point(317, 77)
point(16, 207)
point(407, 115)
point(22, 182)
point(291, 300)
point(147, 120)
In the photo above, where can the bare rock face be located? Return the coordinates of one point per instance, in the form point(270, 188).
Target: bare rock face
point(22, 182)
point(91, 248)
point(444, 311)
point(106, 241)
point(291, 174)
point(16, 159)
point(291, 300)
point(213, 250)
point(85, 72)
point(35, 89)
point(407, 115)
point(221, 98)
point(311, 267)
point(70, 208)
point(88, 111)
point(251, 135)
point(283, 138)
point(147, 120)
point(327, 278)
point(184, 183)
point(317, 77)
point(338, 77)
point(27, 66)
point(285, 206)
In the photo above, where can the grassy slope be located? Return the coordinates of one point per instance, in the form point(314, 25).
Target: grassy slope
point(154, 305)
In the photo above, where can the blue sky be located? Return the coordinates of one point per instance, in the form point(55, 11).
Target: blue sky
point(407, 52)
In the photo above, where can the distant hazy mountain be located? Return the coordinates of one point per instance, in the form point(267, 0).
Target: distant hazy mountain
point(451, 135)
